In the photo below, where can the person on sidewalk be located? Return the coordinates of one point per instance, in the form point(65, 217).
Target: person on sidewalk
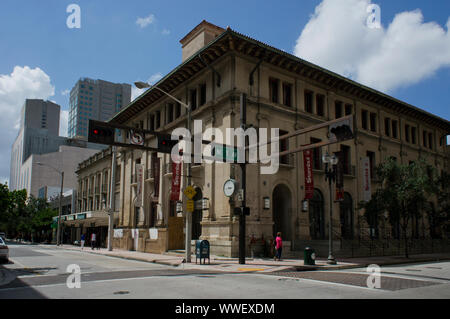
point(278, 246)
point(83, 238)
point(93, 240)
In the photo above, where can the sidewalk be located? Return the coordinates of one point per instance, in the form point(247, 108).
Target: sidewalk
point(226, 264)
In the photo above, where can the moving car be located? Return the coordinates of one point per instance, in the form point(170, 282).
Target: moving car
point(4, 250)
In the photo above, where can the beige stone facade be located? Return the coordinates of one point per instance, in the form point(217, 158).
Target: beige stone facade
point(283, 92)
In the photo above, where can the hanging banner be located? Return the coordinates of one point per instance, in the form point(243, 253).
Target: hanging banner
point(155, 169)
point(308, 170)
point(339, 169)
point(176, 181)
point(139, 180)
point(366, 179)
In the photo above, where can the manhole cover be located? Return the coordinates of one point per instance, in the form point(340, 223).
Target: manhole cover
point(121, 292)
point(413, 270)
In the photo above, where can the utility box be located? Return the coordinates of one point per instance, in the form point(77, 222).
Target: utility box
point(309, 257)
point(202, 251)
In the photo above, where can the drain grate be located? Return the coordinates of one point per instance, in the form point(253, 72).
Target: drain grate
point(360, 280)
point(124, 292)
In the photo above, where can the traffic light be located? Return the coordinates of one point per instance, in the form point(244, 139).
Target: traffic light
point(100, 133)
point(343, 130)
point(165, 143)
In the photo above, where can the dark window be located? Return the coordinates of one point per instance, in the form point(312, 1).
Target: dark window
point(387, 126)
point(373, 122)
point(424, 139)
point(284, 146)
point(346, 159)
point(348, 109)
point(177, 110)
point(320, 104)
point(309, 101)
point(430, 140)
point(193, 98)
point(338, 109)
point(317, 156)
point(169, 112)
point(202, 94)
point(407, 129)
point(413, 135)
point(158, 119)
point(394, 129)
point(364, 118)
point(287, 94)
point(273, 88)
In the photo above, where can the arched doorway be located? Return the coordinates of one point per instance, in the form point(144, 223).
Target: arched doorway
point(316, 216)
point(346, 216)
point(197, 215)
point(282, 199)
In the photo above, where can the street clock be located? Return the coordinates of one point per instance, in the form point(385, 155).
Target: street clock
point(229, 187)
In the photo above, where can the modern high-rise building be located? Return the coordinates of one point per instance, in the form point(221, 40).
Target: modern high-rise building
point(96, 100)
point(38, 142)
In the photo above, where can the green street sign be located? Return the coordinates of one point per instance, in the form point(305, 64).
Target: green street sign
point(225, 153)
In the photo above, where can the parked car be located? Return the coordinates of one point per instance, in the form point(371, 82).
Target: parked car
point(3, 236)
point(4, 250)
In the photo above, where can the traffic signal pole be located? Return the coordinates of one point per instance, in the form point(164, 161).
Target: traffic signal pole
point(243, 118)
point(188, 214)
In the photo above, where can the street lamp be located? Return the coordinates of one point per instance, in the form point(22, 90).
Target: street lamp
point(143, 85)
point(330, 175)
point(58, 232)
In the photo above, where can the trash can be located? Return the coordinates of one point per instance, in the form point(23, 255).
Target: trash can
point(309, 257)
point(202, 251)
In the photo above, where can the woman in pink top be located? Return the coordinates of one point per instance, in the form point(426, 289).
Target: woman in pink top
point(278, 246)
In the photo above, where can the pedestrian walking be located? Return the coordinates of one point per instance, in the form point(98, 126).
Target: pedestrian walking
point(93, 240)
point(278, 246)
point(83, 238)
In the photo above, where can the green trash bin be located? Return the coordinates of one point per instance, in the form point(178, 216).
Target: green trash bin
point(309, 257)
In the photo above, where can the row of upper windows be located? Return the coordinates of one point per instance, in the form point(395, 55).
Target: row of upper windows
point(368, 119)
point(172, 111)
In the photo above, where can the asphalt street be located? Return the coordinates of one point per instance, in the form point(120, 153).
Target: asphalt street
point(42, 272)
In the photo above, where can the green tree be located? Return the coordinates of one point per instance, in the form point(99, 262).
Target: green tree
point(404, 193)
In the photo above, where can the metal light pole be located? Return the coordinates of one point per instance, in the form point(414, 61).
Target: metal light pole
point(142, 85)
point(112, 197)
point(330, 175)
point(58, 231)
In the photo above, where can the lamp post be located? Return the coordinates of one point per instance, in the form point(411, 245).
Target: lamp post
point(142, 85)
point(330, 175)
point(58, 232)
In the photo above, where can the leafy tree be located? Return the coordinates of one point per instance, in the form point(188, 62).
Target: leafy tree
point(404, 193)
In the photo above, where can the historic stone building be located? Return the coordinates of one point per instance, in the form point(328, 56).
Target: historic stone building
point(283, 92)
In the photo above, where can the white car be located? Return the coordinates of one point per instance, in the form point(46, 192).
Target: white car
point(4, 250)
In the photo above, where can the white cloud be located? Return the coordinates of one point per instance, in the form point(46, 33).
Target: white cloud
point(165, 32)
point(135, 92)
point(21, 84)
point(143, 22)
point(65, 92)
point(338, 38)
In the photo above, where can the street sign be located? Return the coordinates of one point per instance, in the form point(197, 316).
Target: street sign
point(190, 205)
point(189, 192)
point(224, 153)
point(136, 138)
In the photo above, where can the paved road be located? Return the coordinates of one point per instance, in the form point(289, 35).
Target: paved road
point(41, 272)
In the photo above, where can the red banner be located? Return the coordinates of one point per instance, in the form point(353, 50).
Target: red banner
point(155, 169)
point(176, 181)
point(308, 169)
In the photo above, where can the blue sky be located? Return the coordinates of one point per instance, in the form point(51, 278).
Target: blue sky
point(110, 45)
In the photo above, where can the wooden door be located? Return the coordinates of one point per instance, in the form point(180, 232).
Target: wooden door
point(176, 234)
